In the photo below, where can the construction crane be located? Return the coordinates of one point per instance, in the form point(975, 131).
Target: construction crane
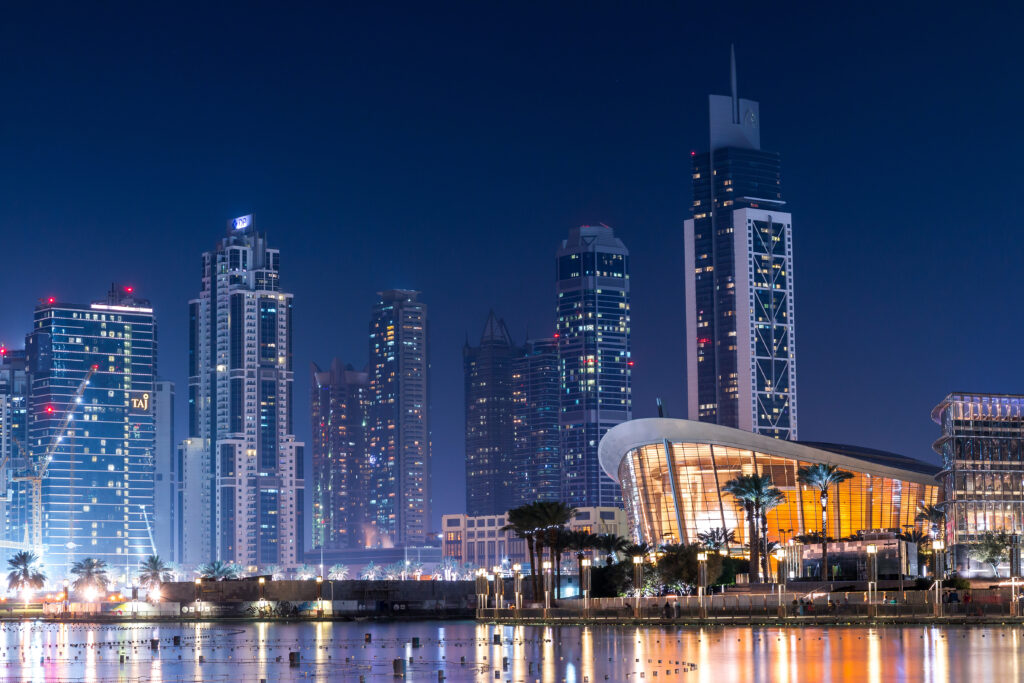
point(149, 528)
point(37, 470)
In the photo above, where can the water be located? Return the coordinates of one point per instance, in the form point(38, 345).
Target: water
point(248, 652)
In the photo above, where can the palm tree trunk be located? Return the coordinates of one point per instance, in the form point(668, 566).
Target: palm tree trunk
point(579, 568)
point(753, 543)
point(824, 535)
point(764, 546)
point(533, 563)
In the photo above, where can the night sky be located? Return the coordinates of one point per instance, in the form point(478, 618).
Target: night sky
point(449, 148)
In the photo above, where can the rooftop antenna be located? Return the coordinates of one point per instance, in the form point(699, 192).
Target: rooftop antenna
point(732, 77)
point(661, 408)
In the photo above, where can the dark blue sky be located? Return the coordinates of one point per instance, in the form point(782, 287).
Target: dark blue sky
point(449, 147)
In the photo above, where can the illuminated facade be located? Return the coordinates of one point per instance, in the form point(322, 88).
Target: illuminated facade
point(537, 466)
point(982, 448)
point(399, 426)
point(738, 269)
point(240, 406)
point(13, 443)
point(593, 325)
point(98, 488)
point(673, 499)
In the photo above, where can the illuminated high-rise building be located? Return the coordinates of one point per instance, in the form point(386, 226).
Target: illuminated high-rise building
point(14, 443)
point(536, 455)
point(738, 265)
point(398, 438)
point(240, 407)
point(341, 476)
point(92, 437)
point(593, 325)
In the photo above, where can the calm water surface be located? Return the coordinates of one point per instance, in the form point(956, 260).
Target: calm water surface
point(465, 651)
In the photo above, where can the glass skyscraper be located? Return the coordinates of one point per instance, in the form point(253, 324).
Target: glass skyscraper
point(341, 476)
point(399, 424)
point(595, 368)
point(97, 491)
point(240, 408)
point(738, 253)
point(489, 436)
point(536, 455)
point(14, 444)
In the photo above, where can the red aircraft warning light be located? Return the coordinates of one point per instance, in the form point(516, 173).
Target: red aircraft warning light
point(51, 300)
point(49, 409)
point(129, 289)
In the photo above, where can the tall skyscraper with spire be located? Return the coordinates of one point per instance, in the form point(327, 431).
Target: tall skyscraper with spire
point(738, 257)
point(489, 429)
point(242, 447)
point(595, 368)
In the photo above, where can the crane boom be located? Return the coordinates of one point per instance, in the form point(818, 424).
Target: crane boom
point(59, 437)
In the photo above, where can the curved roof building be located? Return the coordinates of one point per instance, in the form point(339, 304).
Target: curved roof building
point(672, 472)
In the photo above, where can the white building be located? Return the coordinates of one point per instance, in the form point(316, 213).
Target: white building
point(240, 386)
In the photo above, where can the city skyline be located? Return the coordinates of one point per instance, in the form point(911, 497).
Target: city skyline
point(80, 182)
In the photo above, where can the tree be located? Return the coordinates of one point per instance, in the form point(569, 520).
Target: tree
point(338, 572)
point(305, 572)
point(752, 491)
point(990, 548)
point(768, 499)
point(274, 571)
point(610, 545)
point(218, 570)
point(550, 517)
point(631, 550)
point(90, 573)
point(581, 542)
point(371, 572)
point(934, 516)
point(522, 521)
point(154, 571)
point(822, 477)
point(923, 542)
point(24, 572)
point(558, 544)
point(717, 538)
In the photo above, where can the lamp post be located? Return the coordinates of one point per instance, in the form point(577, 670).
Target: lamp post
point(872, 567)
point(499, 588)
point(517, 585)
point(319, 596)
point(481, 591)
point(548, 580)
point(780, 571)
point(938, 550)
point(585, 585)
point(66, 596)
point(638, 582)
point(702, 581)
point(198, 592)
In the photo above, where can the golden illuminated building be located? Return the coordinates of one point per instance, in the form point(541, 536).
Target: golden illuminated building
point(672, 473)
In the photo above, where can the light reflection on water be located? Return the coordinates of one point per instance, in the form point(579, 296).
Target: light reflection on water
point(244, 652)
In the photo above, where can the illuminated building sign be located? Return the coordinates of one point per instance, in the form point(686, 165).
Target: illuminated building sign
point(241, 223)
point(140, 402)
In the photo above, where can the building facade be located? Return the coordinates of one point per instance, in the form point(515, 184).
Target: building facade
point(480, 541)
point(91, 439)
point(595, 368)
point(398, 439)
point(163, 518)
point(14, 385)
point(341, 474)
point(982, 478)
point(672, 473)
point(241, 404)
point(738, 265)
point(488, 370)
point(536, 454)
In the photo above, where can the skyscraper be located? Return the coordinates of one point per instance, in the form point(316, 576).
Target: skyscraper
point(594, 359)
point(240, 403)
point(738, 254)
point(98, 447)
point(164, 517)
point(341, 476)
point(536, 457)
point(399, 425)
point(489, 436)
point(14, 443)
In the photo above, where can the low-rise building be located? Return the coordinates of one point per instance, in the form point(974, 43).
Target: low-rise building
point(480, 541)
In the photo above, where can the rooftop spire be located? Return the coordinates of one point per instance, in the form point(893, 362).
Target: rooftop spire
point(732, 80)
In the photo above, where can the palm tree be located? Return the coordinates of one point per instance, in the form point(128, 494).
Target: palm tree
point(745, 490)
point(24, 572)
point(219, 570)
point(305, 572)
point(924, 545)
point(822, 477)
point(550, 518)
point(522, 521)
point(634, 549)
point(768, 499)
point(338, 572)
point(274, 571)
point(610, 545)
point(935, 517)
point(154, 571)
point(581, 542)
point(90, 573)
point(717, 538)
point(371, 572)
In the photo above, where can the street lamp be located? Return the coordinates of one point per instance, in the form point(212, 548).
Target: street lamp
point(547, 584)
point(499, 588)
point(319, 596)
point(638, 581)
point(67, 585)
point(517, 584)
point(198, 592)
point(872, 563)
point(702, 580)
point(585, 584)
point(481, 590)
point(938, 548)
